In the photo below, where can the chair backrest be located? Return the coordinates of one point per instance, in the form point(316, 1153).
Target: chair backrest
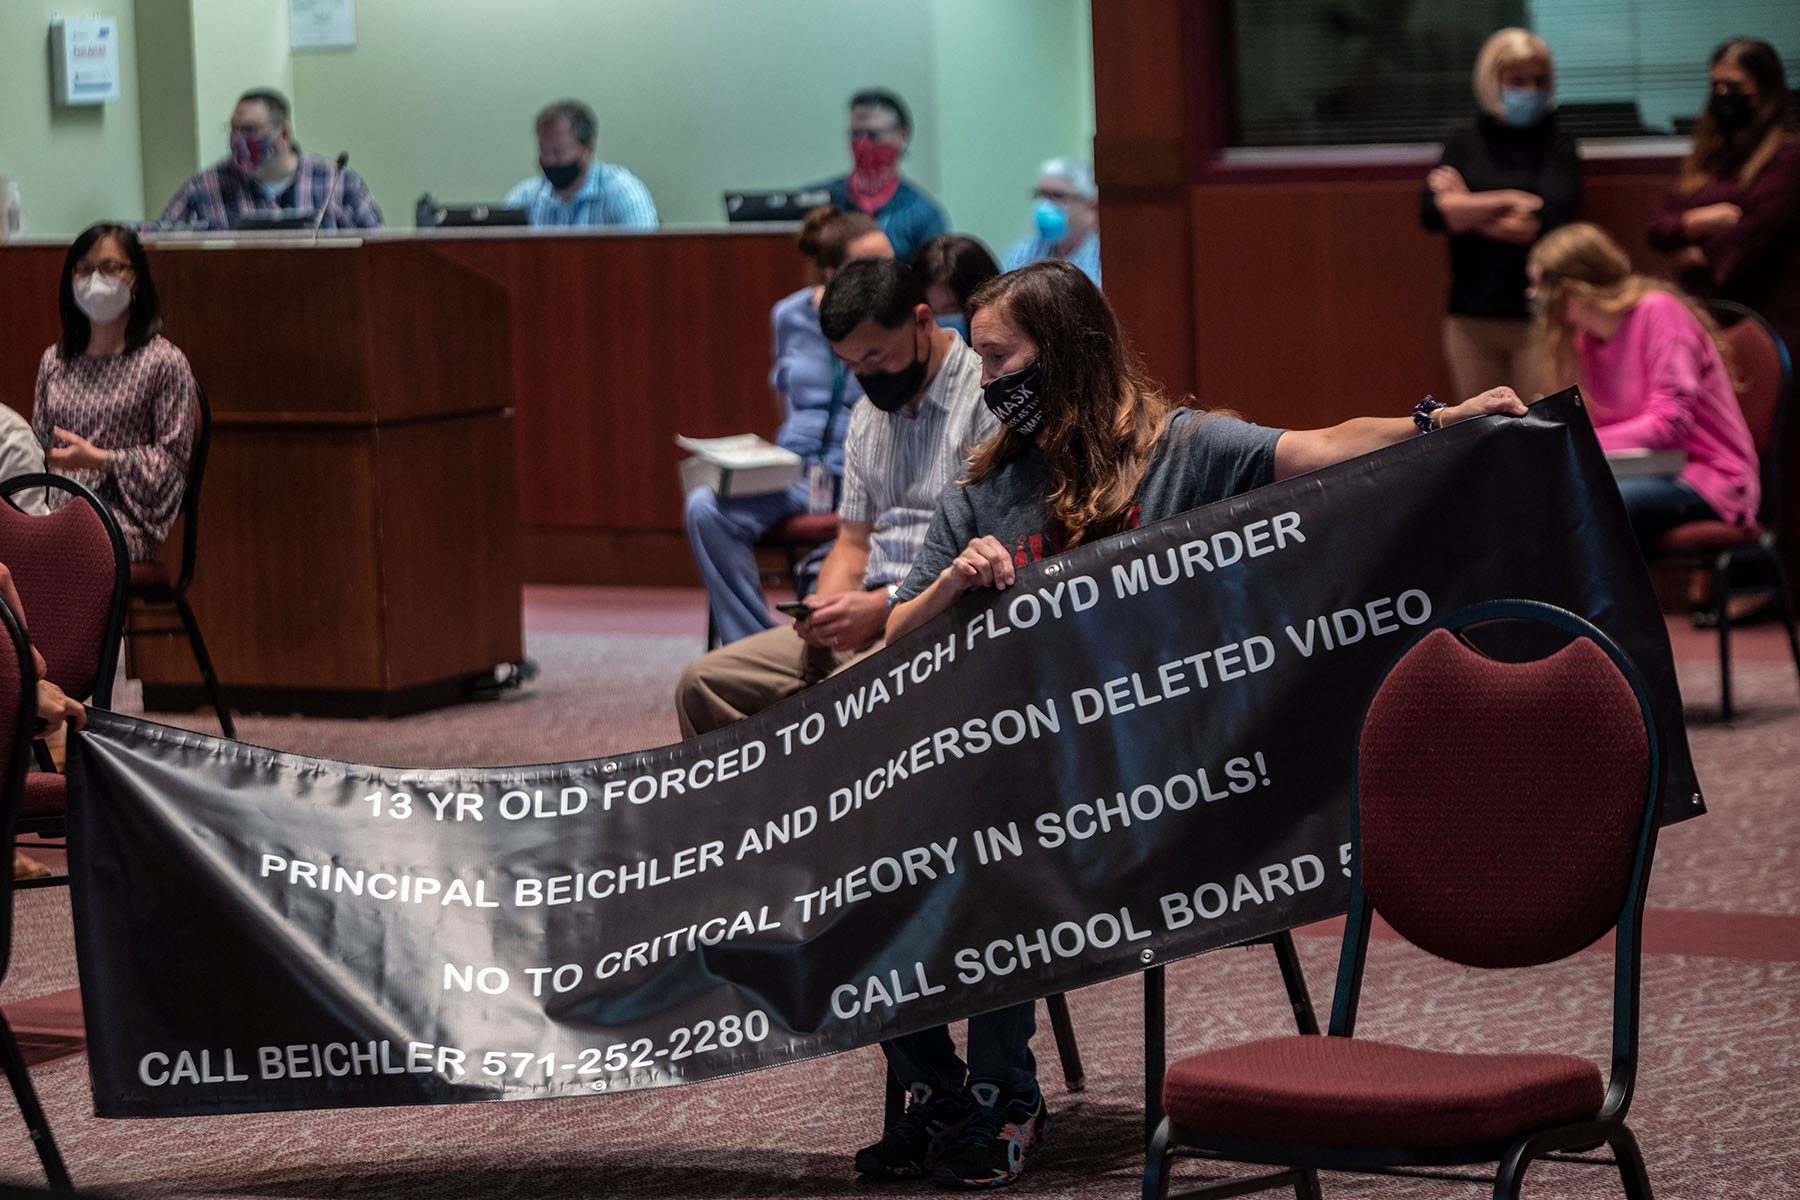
point(70, 566)
point(1763, 375)
point(190, 496)
point(1500, 804)
point(18, 716)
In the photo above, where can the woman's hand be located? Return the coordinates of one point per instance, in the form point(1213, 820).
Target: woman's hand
point(54, 707)
point(1515, 225)
point(1495, 400)
point(1443, 180)
point(1691, 258)
point(1710, 218)
point(76, 453)
point(984, 562)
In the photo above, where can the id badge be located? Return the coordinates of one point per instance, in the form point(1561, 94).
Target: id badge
point(818, 490)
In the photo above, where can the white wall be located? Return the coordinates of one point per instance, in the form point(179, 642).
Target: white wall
point(696, 96)
point(74, 166)
point(701, 96)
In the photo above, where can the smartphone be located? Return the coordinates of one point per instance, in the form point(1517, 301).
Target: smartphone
point(798, 609)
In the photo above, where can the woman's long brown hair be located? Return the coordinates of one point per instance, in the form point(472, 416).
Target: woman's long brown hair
point(1714, 154)
point(1102, 415)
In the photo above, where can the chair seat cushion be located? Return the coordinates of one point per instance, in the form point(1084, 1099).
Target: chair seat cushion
point(46, 795)
point(1700, 537)
point(807, 529)
point(149, 575)
point(1332, 1091)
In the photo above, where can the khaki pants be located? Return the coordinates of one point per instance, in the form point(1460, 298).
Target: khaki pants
point(1490, 352)
point(745, 677)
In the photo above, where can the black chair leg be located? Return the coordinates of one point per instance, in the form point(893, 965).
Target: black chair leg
point(1157, 1158)
point(1155, 1052)
point(896, 1100)
point(1511, 1175)
point(1631, 1164)
point(1293, 977)
point(20, 1077)
point(1722, 601)
point(204, 660)
point(1074, 1077)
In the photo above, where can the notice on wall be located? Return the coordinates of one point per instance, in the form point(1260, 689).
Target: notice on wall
point(1139, 752)
point(322, 24)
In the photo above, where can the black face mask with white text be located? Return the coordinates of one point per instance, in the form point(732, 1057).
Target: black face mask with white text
point(1017, 398)
point(889, 390)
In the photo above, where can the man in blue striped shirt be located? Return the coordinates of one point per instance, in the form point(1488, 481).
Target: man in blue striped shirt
point(576, 188)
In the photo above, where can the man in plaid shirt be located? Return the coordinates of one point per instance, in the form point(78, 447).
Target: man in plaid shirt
point(267, 172)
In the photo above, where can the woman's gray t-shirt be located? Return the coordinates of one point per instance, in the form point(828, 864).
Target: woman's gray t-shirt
point(1200, 458)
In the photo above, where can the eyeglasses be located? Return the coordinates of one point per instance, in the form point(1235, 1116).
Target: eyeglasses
point(112, 270)
point(1055, 196)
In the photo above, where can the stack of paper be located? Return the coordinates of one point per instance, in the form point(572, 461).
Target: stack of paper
point(744, 465)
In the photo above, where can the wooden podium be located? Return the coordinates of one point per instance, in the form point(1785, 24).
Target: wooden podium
point(359, 547)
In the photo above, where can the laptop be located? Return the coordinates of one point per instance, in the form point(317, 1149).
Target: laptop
point(276, 218)
point(432, 215)
point(773, 206)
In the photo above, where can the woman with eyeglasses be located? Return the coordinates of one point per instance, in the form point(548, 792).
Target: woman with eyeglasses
point(116, 404)
point(1732, 221)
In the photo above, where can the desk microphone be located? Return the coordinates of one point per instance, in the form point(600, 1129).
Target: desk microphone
point(337, 173)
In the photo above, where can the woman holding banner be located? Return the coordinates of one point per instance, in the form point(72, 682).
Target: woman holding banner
point(1087, 447)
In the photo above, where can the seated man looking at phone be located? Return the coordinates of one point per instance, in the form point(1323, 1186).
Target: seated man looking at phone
point(909, 437)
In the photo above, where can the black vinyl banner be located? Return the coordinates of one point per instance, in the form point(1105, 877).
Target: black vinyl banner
point(1140, 751)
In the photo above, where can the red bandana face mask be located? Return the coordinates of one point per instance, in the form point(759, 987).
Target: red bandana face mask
point(876, 177)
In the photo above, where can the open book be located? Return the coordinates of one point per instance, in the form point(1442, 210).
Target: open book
point(742, 465)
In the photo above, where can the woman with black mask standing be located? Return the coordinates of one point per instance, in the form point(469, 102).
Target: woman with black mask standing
point(1733, 219)
point(1503, 182)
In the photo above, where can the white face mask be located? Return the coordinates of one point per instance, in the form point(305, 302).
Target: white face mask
point(102, 299)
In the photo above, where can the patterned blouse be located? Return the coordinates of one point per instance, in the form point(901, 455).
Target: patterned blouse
point(141, 405)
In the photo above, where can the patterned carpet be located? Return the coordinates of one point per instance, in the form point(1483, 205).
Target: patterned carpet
point(1717, 1102)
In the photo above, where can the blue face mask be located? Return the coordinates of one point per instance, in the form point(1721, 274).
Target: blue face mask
point(1525, 107)
point(1052, 221)
point(957, 322)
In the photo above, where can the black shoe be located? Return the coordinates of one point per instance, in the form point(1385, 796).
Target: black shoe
point(911, 1145)
point(992, 1150)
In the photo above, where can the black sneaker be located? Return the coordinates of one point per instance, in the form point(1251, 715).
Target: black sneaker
point(910, 1145)
point(991, 1151)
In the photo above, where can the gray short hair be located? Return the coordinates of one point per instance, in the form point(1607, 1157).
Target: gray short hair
point(1079, 175)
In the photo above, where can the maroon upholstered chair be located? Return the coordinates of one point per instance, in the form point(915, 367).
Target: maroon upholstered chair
point(18, 717)
point(1744, 561)
point(70, 567)
point(1505, 817)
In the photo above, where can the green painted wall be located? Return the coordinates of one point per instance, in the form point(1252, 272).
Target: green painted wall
point(1015, 86)
point(74, 166)
point(165, 60)
point(695, 96)
point(701, 96)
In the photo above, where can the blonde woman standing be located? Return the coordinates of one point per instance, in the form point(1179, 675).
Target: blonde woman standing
point(1503, 182)
point(1654, 376)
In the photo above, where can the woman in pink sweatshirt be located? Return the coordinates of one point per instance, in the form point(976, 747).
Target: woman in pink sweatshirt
point(1651, 368)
